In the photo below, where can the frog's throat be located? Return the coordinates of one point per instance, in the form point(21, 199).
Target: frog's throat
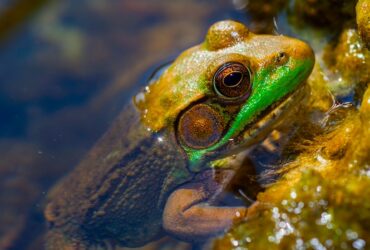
point(269, 87)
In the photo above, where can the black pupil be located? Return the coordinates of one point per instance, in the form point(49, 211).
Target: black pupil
point(233, 79)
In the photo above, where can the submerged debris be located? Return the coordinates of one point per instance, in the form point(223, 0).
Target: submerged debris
point(348, 62)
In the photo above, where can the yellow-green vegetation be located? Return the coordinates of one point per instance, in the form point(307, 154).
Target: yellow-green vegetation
point(321, 13)
point(262, 13)
point(321, 200)
point(349, 62)
point(363, 20)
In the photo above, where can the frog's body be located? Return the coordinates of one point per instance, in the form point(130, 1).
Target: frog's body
point(146, 175)
point(96, 197)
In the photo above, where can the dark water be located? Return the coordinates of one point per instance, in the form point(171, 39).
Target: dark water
point(66, 70)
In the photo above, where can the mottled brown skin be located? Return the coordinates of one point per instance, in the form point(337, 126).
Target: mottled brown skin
point(118, 197)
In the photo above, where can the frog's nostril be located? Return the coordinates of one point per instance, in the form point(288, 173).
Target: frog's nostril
point(281, 58)
point(282, 55)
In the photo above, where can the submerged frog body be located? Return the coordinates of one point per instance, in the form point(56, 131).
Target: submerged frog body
point(149, 174)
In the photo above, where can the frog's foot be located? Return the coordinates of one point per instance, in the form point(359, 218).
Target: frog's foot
point(188, 216)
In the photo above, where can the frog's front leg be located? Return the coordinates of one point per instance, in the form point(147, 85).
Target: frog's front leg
point(190, 215)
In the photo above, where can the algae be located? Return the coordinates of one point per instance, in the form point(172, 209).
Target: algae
point(320, 202)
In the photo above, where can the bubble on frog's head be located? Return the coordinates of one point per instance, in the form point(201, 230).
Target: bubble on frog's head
point(224, 34)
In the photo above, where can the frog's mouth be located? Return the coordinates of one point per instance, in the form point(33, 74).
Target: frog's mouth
point(268, 120)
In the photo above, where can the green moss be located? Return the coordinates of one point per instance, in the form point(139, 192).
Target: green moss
point(315, 212)
point(363, 20)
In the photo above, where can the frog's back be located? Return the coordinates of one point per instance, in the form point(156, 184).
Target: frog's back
point(118, 191)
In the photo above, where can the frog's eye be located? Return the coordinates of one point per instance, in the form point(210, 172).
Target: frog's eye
point(232, 80)
point(200, 126)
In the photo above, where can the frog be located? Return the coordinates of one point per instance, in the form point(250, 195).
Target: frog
point(150, 174)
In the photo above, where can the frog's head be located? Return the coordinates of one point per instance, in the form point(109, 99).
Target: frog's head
point(227, 93)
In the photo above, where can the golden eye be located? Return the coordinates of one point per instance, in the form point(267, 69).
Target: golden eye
point(232, 80)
